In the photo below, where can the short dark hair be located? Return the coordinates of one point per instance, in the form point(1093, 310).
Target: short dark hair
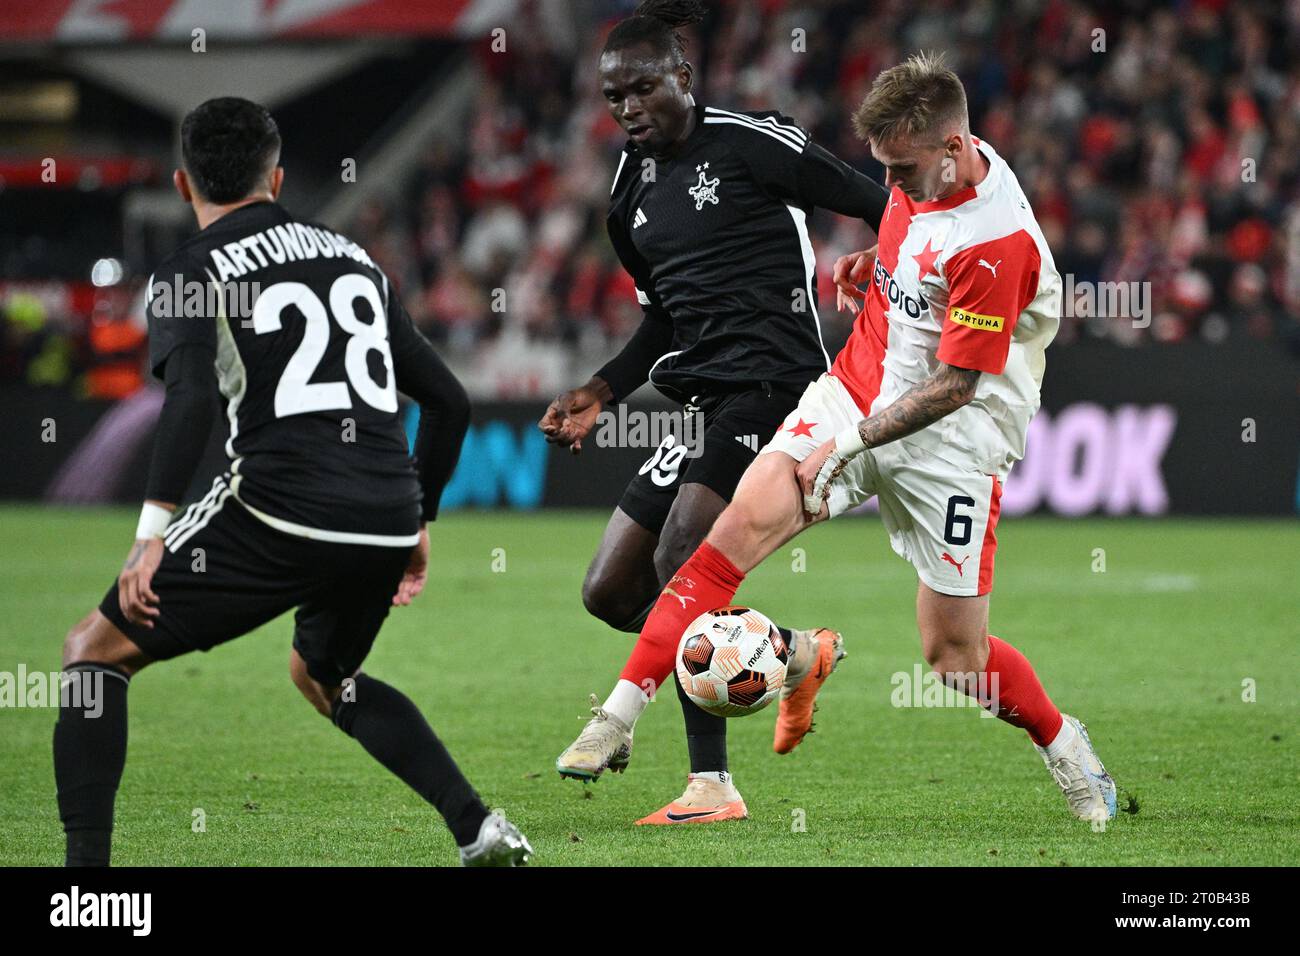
point(228, 144)
point(655, 23)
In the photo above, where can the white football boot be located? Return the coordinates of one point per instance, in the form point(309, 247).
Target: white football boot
point(1084, 781)
point(604, 744)
point(499, 843)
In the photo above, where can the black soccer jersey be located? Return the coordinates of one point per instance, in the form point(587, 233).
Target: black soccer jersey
point(717, 240)
point(308, 340)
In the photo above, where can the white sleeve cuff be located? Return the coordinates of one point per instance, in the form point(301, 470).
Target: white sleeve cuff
point(849, 443)
point(154, 520)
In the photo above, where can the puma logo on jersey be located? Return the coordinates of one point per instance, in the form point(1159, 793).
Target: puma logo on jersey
point(706, 190)
point(891, 208)
point(951, 560)
point(639, 219)
point(992, 268)
point(749, 441)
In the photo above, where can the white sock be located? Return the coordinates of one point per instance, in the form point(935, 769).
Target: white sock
point(717, 776)
point(1064, 737)
point(627, 702)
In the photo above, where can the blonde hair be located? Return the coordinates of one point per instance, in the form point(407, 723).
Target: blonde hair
point(918, 96)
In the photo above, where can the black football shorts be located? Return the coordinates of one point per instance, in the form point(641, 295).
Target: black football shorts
point(225, 572)
point(729, 430)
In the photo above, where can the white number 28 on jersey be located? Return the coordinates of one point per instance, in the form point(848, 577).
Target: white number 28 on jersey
point(297, 394)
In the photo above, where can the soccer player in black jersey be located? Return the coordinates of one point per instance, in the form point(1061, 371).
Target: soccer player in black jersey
point(708, 213)
point(322, 508)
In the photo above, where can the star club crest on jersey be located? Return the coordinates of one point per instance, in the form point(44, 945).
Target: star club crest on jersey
point(706, 190)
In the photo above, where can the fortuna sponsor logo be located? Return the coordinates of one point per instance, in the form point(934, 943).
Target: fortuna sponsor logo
point(103, 909)
point(53, 689)
point(890, 289)
point(759, 653)
point(972, 320)
point(290, 242)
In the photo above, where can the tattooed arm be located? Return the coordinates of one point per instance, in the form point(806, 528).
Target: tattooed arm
point(947, 390)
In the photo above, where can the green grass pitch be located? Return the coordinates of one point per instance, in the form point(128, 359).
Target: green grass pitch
point(1152, 654)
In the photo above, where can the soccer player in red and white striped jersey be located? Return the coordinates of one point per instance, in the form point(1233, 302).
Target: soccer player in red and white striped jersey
point(926, 408)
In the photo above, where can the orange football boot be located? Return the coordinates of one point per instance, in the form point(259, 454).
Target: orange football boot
point(705, 801)
point(820, 652)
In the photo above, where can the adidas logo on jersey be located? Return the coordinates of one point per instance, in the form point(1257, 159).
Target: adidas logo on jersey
point(749, 441)
point(639, 219)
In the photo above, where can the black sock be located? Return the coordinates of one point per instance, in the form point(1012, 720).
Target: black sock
point(393, 731)
point(706, 735)
point(89, 754)
point(633, 625)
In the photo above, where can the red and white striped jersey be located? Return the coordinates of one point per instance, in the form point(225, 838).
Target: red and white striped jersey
point(966, 280)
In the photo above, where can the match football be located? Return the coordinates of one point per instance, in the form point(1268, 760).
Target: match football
point(731, 661)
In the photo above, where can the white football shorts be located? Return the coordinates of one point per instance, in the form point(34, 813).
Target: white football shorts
point(940, 517)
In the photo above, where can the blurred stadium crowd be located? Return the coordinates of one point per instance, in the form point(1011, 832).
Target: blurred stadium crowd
point(1159, 144)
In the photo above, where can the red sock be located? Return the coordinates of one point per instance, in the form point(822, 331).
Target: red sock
point(706, 581)
point(1022, 701)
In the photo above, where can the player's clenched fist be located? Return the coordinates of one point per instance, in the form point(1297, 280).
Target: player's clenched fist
point(850, 272)
point(807, 472)
point(570, 417)
point(816, 472)
point(134, 585)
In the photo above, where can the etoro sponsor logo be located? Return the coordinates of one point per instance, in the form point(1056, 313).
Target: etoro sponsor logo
point(894, 293)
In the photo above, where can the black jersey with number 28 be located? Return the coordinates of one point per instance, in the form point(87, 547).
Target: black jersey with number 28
point(308, 340)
